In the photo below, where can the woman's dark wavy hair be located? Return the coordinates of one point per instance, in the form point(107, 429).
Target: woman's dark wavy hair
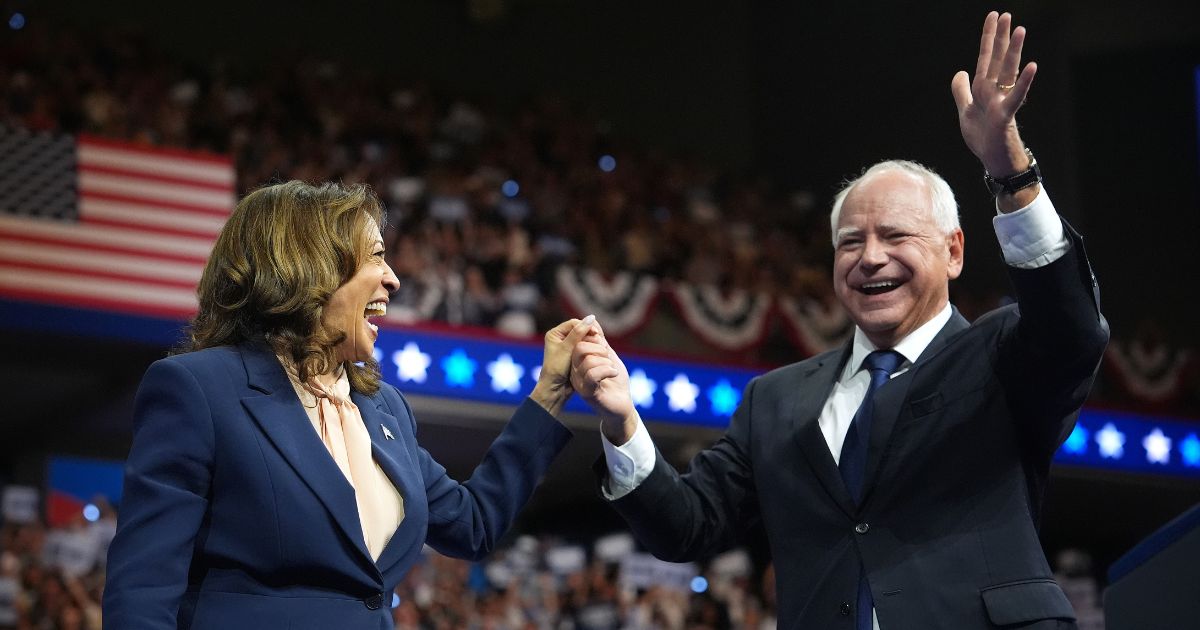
point(283, 252)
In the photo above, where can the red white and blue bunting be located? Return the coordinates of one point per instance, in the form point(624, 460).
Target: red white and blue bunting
point(731, 321)
point(622, 303)
point(1152, 374)
point(815, 326)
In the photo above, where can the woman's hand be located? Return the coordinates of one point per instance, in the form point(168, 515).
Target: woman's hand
point(553, 388)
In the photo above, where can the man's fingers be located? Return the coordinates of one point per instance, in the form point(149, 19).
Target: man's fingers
point(960, 87)
point(589, 362)
point(999, 47)
point(985, 44)
point(585, 349)
point(1012, 58)
point(600, 373)
point(1016, 98)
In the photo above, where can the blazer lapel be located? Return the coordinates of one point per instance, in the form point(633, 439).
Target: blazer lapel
point(279, 414)
point(390, 452)
point(891, 398)
point(807, 402)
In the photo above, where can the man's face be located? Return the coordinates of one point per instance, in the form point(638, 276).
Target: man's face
point(892, 264)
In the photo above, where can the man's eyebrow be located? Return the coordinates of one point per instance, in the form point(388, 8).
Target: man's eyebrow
point(892, 227)
point(847, 231)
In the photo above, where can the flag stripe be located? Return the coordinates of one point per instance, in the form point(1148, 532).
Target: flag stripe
point(10, 268)
point(105, 238)
point(163, 231)
point(181, 208)
point(193, 159)
point(100, 303)
point(71, 287)
point(184, 197)
point(155, 218)
point(137, 268)
point(100, 169)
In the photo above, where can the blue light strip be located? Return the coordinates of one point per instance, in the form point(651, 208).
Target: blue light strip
point(503, 371)
point(1197, 105)
point(1133, 443)
point(490, 370)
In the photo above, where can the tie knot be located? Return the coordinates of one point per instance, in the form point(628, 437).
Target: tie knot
point(883, 360)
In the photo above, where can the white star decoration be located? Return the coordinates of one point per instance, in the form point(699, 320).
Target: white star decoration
point(1111, 441)
point(642, 389)
point(1158, 447)
point(411, 363)
point(681, 394)
point(506, 374)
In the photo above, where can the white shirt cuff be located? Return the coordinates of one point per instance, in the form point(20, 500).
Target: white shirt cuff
point(628, 464)
point(1033, 236)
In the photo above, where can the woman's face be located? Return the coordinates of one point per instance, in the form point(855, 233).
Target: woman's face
point(363, 296)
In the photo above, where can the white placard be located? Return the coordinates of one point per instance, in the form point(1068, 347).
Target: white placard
point(642, 570)
point(613, 547)
point(566, 560)
point(20, 504)
point(731, 564)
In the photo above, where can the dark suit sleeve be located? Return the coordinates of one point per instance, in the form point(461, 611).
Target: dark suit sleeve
point(167, 478)
point(682, 517)
point(1049, 362)
point(466, 520)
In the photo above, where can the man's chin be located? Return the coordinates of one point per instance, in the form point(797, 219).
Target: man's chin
point(876, 319)
point(878, 327)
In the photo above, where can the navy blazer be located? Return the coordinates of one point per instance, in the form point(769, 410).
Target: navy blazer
point(234, 514)
point(957, 460)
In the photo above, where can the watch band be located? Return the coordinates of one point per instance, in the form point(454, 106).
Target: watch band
point(1011, 184)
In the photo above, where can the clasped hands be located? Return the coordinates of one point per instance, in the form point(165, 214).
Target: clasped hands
point(578, 359)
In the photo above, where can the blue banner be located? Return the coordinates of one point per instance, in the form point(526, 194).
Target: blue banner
point(497, 370)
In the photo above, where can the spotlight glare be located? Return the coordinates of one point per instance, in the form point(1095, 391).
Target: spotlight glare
point(17, 21)
point(608, 163)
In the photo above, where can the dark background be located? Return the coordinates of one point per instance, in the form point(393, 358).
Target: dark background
point(805, 94)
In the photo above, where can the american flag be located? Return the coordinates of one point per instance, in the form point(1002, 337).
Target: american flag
point(99, 224)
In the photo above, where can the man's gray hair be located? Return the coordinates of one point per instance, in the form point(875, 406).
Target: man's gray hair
point(942, 203)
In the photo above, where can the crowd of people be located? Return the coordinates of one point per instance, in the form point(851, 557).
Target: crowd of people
point(51, 578)
point(485, 200)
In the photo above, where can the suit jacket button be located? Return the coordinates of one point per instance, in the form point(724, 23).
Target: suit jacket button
point(845, 609)
point(862, 528)
point(374, 602)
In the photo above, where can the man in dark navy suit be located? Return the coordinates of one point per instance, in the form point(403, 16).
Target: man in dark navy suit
point(900, 477)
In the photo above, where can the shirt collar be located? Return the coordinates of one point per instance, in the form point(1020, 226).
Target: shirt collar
point(910, 347)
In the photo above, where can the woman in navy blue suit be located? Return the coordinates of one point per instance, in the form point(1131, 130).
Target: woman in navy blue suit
point(274, 481)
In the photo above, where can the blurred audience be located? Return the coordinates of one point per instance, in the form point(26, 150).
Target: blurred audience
point(484, 201)
point(487, 201)
point(52, 578)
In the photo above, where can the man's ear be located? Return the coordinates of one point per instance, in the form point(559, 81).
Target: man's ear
point(954, 242)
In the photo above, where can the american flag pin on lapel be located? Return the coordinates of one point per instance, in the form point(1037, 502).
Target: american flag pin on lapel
point(387, 435)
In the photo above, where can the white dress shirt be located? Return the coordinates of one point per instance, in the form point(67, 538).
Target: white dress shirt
point(1029, 238)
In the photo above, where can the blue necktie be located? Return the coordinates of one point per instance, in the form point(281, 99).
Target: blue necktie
point(853, 461)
